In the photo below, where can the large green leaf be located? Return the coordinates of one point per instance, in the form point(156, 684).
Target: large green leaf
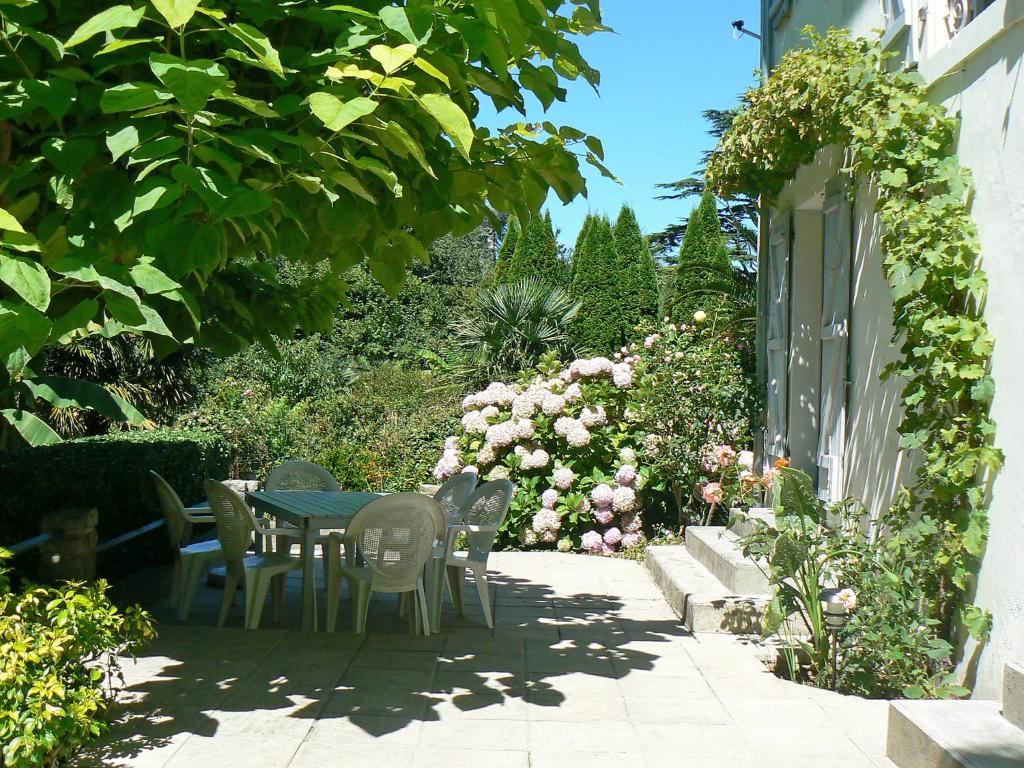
point(22, 327)
point(336, 114)
point(391, 59)
point(27, 278)
point(452, 119)
point(259, 44)
point(177, 12)
point(191, 82)
point(33, 430)
point(8, 222)
point(116, 17)
point(796, 495)
point(129, 97)
point(65, 392)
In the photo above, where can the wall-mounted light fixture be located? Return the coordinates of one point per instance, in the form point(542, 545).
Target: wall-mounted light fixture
point(739, 30)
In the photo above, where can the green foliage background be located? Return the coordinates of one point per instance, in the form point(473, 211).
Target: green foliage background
point(704, 275)
point(600, 324)
point(536, 256)
point(639, 278)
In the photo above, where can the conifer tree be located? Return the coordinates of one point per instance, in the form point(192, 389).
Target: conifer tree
point(598, 327)
point(704, 277)
point(508, 248)
point(536, 255)
point(581, 240)
point(639, 278)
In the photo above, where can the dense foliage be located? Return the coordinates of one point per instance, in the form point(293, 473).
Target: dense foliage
point(696, 394)
point(111, 473)
point(568, 439)
point(581, 244)
point(840, 91)
point(704, 275)
point(536, 256)
point(159, 160)
point(816, 555)
point(599, 327)
point(639, 282)
point(508, 249)
point(59, 667)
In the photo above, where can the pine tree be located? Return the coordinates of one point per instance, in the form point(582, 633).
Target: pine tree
point(581, 239)
point(508, 248)
point(704, 277)
point(639, 277)
point(536, 255)
point(598, 327)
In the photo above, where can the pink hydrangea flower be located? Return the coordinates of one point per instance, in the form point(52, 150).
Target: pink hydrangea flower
point(626, 475)
point(470, 469)
point(632, 522)
point(607, 549)
point(602, 495)
point(592, 542)
point(604, 515)
point(546, 520)
point(549, 498)
point(451, 443)
point(631, 540)
point(628, 455)
point(474, 422)
point(612, 537)
point(623, 499)
point(564, 478)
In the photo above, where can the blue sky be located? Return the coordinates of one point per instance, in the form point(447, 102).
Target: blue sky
point(667, 61)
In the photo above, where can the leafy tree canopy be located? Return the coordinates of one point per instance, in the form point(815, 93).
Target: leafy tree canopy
point(158, 158)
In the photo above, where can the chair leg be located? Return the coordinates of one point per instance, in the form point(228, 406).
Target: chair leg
point(254, 608)
point(480, 576)
point(192, 569)
point(455, 579)
point(277, 595)
point(230, 585)
point(424, 611)
point(360, 605)
point(403, 604)
point(410, 611)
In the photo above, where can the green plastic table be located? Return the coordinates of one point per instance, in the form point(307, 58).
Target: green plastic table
point(311, 512)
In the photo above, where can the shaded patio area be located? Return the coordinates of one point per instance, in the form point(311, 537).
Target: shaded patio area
point(587, 666)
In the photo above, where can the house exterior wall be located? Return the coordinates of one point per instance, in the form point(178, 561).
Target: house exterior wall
point(978, 73)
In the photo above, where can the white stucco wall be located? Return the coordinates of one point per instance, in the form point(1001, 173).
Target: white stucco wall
point(980, 75)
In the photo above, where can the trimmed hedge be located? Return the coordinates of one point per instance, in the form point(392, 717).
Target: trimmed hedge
point(109, 472)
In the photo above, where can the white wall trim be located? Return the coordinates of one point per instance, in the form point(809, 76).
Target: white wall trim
point(995, 21)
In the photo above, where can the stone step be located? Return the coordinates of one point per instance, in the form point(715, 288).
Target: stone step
point(742, 523)
point(1013, 694)
point(715, 547)
point(950, 734)
point(702, 602)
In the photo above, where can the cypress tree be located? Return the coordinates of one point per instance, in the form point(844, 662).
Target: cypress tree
point(536, 255)
point(508, 248)
point(598, 327)
point(581, 240)
point(704, 277)
point(639, 278)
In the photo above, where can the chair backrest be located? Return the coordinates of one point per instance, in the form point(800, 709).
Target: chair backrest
point(453, 494)
point(178, 524)
point(235, 525)
point(487, 508)
point(301, 476)
point(394, 535)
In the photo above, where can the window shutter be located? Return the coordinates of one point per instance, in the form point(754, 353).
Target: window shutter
point(835, 340)
point(777, 339)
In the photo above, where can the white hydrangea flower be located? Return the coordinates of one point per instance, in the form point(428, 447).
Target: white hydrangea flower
point(602, 495)
point(553, 405)
point(564, 478)
point(564, 425)
point(628, 455)
point(486, 455)
point(549, 498)
point(578, 436)
point(624, 499)
point(564, 545)
point(474, 422)
point(573, 393)
point(593, 416)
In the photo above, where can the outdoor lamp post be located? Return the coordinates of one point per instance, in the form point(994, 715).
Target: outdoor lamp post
point(836, 606)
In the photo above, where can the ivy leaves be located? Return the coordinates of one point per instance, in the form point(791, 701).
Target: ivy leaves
point(839, 90)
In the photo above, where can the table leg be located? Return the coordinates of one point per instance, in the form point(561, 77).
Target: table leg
point(435, 592)
point(309, 615)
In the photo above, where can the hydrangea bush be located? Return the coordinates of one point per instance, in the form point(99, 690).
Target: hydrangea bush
point(568, 437)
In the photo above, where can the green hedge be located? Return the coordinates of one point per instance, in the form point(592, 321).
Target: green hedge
point(109, 472)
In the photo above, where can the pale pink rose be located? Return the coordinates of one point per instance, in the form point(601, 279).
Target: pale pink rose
point(724, 455)
point(713, 493)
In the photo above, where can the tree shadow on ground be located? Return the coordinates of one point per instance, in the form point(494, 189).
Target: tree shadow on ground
point(547, 644)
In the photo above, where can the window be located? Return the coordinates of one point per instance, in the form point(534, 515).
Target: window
point(894, 11)
point(963, 12)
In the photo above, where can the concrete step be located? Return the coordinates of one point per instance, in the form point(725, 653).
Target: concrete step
point(715, 547)
point(742, 523)
point(951, 734)
point(1013, 694)
point(702, 602)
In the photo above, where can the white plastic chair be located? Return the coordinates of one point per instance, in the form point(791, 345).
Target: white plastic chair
point(191, 558)
point(392, 537)
point(483, 512)
point(452, 495)
point(236, 526)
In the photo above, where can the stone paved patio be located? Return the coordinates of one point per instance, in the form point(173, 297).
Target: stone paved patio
point(587, 666)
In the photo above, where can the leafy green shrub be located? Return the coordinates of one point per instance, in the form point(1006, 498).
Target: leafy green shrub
point(695, 392)
point(508, 249)
point(888, 646)
point(639, 287)
point(109, 472)
point(59, 668)
point(580, 247)
point(599, 328)
point(568, 440)
point(704, 277)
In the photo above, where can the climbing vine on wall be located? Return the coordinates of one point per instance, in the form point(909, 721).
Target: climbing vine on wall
point(839, 90)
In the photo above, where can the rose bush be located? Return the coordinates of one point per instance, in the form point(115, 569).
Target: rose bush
point(569, 438)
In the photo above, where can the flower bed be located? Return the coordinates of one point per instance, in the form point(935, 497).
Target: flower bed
point(568, 438)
